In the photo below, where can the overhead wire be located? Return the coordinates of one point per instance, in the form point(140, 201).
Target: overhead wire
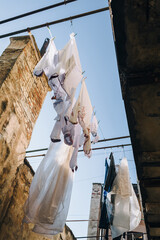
point(81, 150)
point(36, 11)
point(102, 140)
point(54, 22)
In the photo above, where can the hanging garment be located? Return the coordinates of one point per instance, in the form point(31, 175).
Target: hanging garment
point(111, 174)
point(55, 85)
point(126, 210)
point(69, 63)
point(106, 172)
point(82, 111)
point(103, 222)
point(94, 129)
point(50, 191)
point(48, 62)
point(65, 64)
point(76, 144)
point(121, 184)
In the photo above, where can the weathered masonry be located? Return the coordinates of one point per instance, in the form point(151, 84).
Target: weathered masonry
point(21, 99)
point(136, 30)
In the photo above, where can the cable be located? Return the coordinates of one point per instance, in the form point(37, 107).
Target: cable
point(36, 11)
point(112, 139)
point(102, 140)
point(93, 149)
point(54, 22)
point(115, 146)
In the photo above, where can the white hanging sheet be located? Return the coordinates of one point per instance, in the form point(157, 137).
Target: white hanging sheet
point(50, 191)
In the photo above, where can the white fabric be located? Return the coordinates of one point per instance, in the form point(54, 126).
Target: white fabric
point(121, 184)
point(48, 62)
point(63, 62)
point(69, 63)
point(76, 145)
point(94, 126)
point(56, 132)
point(55, 85)
point(50, 191)
point(126, 213)
point(82, 111)
point(94, 129)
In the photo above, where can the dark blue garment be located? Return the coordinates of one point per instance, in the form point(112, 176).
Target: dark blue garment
point(110, 175)
point(103, 222)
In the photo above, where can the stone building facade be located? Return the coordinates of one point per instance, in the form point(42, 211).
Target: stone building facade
point(21, 99)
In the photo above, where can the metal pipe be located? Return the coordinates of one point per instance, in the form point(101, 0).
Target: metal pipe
point(54, 22)
point(36, 11)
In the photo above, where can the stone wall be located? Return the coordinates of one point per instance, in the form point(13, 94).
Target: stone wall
point(95, 207)
point(21, 99)
point(11, 227)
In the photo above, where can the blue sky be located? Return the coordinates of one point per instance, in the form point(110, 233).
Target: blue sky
point(97, 54)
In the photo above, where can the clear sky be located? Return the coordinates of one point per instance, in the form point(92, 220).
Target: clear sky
point(98, 59)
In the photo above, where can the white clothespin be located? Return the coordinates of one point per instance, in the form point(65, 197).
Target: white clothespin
point(50, 32)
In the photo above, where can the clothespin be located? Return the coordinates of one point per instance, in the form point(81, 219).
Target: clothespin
point(49, 31)
point(72, 26)
point(71, 22)
point(123, 151)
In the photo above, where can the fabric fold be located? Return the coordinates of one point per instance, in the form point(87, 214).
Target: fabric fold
point(82, 112)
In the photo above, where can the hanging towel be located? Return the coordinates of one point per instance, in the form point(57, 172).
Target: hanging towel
point(50, 191)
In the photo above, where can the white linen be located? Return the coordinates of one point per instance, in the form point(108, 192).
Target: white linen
point(50, 191)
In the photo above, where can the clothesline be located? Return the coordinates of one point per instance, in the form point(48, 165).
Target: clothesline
point(36, 11)
point(89, 220)
point(102, 140)
point(55, 22)
point(93, 149)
